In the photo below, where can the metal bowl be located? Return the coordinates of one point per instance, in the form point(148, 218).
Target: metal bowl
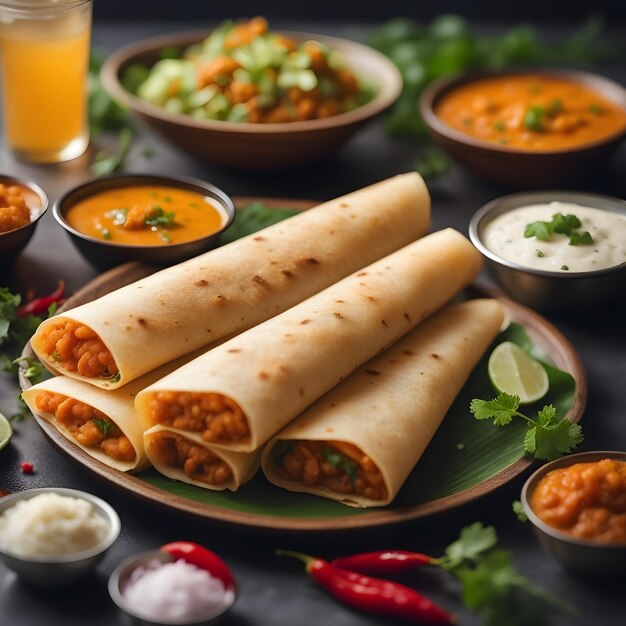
point(105, 254)
point(571, 292)
point(584, 557)
point(120, 577)
point(14, 241)
point(63, 569)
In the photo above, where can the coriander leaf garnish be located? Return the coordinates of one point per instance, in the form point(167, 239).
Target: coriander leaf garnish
point(159, 217)
point(534, 118)
point(116, 378)
point(539, 253)
point(518, 509)
point(567, 225)
point(539, 229)
point(596, 109)
point(341, 461)
point(548, 437)
point(473, 541)
point(490, 582)
point(565, 268)
point(581, 239)
point(104, 426)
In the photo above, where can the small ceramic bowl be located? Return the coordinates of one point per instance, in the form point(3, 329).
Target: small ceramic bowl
point(516, 167)
point(106, 254)
point(120, 577)
point(570, 292)
point(587, 558)
point(255, 146)
point(64, 569)
point(14, 241)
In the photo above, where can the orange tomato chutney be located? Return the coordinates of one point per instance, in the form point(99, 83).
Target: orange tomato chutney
point(147, 215)
point(585, 500)
point(531, 112)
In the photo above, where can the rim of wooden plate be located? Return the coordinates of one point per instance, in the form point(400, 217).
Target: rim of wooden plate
point(544, 333)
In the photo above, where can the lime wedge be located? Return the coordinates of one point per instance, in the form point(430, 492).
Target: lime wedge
point(5, 431)
point(514, 371)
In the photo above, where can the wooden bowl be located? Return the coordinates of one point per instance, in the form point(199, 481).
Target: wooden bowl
point(517, 167)
point(255, 146)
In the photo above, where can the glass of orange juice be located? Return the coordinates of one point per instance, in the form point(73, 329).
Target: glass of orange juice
point(44, 45)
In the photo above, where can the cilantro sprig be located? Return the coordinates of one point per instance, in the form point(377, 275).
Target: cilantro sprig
point(567, 225)
point(159, 217)
point(106, 427)
point(547, 437)
point(490, 582)
point(341, 461)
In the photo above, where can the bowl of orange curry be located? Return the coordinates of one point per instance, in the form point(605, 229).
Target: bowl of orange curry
point(22, 204)
point(144, 217)
point(528, 128)
point(577, 506)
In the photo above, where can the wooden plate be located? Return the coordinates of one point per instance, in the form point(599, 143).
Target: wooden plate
point(224, 506)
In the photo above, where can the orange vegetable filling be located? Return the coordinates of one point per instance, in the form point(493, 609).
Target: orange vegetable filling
point(90, 427)
point(218, 418)
point(532, 112)
point(585, 500)
point(196, 461)
point(77, 348)
point(14, 212)
point(338, 466)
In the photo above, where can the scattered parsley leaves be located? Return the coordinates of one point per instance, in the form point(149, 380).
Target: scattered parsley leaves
point(539, 229)
point(548, 436)
point(539, 253)
point(159, 217)
point(581, 239)
point(534, 118)
point(104, 426)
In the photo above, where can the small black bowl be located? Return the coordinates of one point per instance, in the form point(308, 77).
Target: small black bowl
point(106, 254)
point(14, 241)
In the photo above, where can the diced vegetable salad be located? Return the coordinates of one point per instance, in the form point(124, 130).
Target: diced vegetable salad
point(243, 72)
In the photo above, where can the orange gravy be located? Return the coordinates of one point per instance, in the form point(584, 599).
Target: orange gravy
point(172, 215)
point(531, 112)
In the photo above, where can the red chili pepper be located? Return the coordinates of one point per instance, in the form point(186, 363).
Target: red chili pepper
point(41, 305)
point(199, 556)
point(26, 467)
point(373, 595)
point(384, 563)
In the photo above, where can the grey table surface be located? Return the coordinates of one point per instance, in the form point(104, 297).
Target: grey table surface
point(272, 591)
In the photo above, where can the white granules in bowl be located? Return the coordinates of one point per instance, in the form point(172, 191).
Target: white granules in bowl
point(176, 590)
point(49, 524)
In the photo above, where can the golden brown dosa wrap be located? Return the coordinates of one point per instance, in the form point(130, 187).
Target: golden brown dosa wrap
point(117, 404)
point(243, 465)
point(275, 370)
point(182, 308)
point(391, 407)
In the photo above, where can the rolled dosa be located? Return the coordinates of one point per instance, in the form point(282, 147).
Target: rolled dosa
point(380, 420)
point(99, 405)
point(244, 391)
point(193, 461)
point(124, 334)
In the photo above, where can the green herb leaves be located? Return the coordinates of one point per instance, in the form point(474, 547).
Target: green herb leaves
point(105, 426)
point(341, 461)
point(106, 163)
point(567, 225)
point(490, 582)
point(548, 436)
point(473, 541)
point(158, 217)
point(534, 118)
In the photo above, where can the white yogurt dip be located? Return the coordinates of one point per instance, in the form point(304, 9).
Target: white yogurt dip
point(504, 236)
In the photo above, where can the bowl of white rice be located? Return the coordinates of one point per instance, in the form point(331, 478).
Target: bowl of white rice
point(53, 536)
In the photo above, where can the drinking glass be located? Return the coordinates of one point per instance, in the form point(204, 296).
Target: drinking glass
point(44, 45)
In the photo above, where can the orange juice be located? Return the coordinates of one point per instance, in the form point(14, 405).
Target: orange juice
point(44, 79)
